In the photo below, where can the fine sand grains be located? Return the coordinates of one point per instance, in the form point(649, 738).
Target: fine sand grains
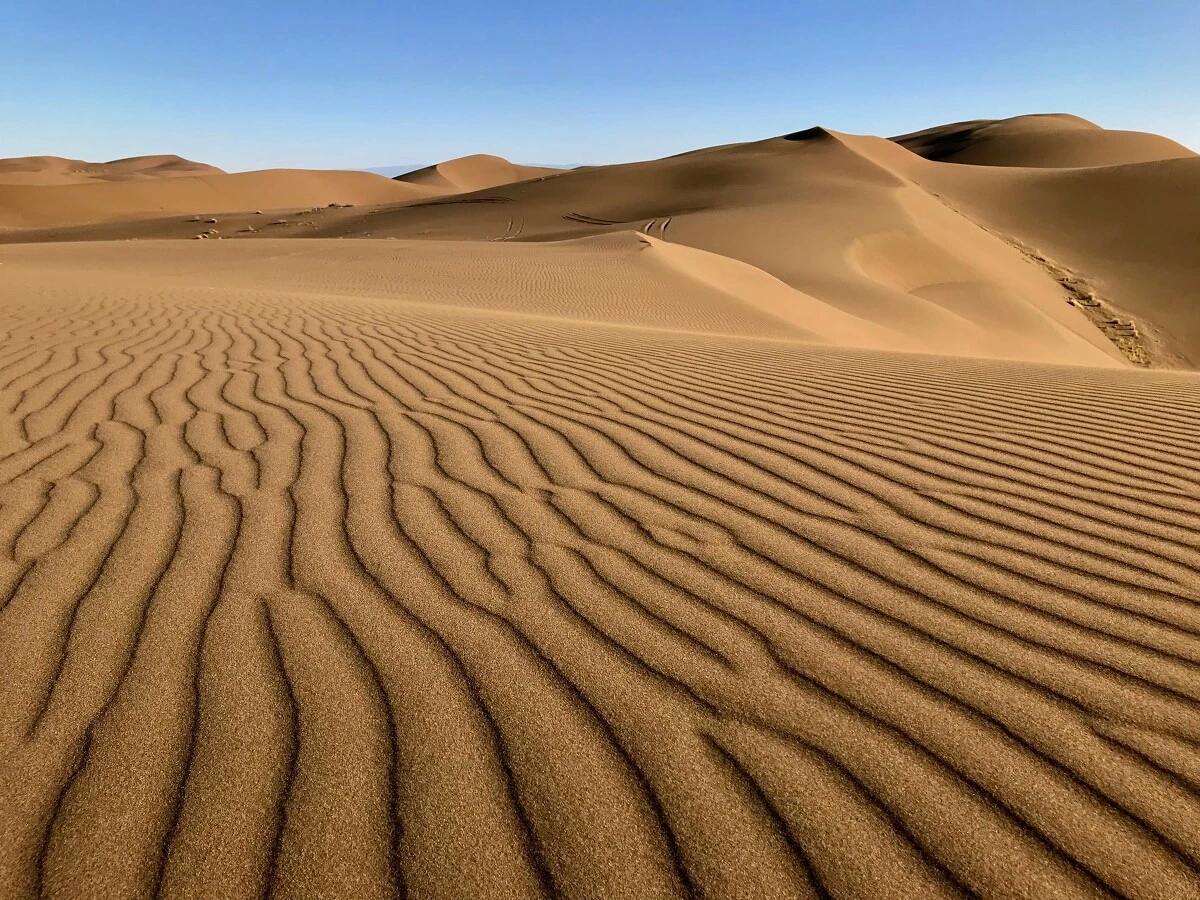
point(307, 594)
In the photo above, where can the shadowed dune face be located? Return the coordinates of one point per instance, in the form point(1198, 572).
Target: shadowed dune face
point(1001, 247)
point(317, 583)
point(1044, 142)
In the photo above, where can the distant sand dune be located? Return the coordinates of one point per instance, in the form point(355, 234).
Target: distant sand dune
point(473, 173)
point(54, 193)
point(317, 582)
point(52, 170)
point(1045, 141)
point(63, 205)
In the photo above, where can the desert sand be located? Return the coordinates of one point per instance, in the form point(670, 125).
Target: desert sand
point(473, 173)
point(52, 170)
point(811, 518)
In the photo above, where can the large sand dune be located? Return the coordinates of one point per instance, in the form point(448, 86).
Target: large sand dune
point(881, 232)
point(757, 523)
point(1045, 141)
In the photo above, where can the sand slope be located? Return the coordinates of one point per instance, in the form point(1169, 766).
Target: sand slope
point(833, 216)
point(65, 205)
point(320, 583)
point(1053, 141)
point(956, 254)
point(473, 173)
point(983, 258)
point(48, 170)
point(1130, 232)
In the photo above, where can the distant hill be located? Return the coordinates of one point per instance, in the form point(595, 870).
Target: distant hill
point(57, 170)
point(474, 173)
point(1045, 141)
point(405, 169)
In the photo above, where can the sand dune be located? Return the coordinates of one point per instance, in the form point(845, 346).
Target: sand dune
point(58, 194)
point(473, 173)
point(925, 247)
point(836, 217)
point(1128, 231)
point(761, 522)
point(50, 170)
point(961, 255)
point(65, 205)
point(1044, 141)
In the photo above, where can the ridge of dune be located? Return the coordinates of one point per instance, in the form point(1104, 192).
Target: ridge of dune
point(1126, 234)
point(813, 319)
point(1039, 141)
point(49, 170)
point(810, 209)
point(473, 173)
point(802, 208)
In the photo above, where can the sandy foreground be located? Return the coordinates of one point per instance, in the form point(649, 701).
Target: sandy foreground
point(805, 532)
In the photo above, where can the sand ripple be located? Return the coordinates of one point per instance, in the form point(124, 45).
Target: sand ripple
point(334, 597)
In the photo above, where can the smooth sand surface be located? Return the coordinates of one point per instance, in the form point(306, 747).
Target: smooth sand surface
point(765, 522)
point(474, 173)
point(1042, 141)
point(64, 204)
point(51, 170)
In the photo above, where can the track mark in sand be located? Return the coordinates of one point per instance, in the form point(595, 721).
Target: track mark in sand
point(589, 220)
point(1131, 340)
point(510, 232)
point(1140, 345)
point(662, 224)
point(452, 201)
point(325, 597)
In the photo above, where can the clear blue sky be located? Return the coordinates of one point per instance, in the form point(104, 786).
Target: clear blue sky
point(348, 83)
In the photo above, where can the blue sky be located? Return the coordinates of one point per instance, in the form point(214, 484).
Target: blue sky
point(352, 84)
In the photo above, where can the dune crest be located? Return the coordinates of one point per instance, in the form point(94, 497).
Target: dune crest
point(473, 173)
point(1053, 141)
point(815, 320)
point(51, 170)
